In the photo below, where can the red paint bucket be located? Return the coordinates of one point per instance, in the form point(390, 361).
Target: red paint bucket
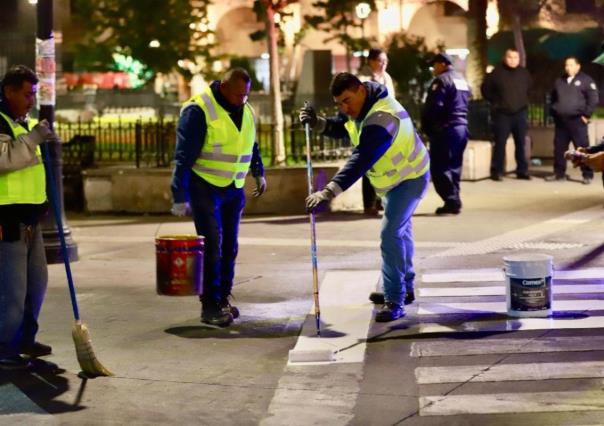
point(179, 265)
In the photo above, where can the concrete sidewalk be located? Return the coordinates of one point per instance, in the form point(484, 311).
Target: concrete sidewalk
point(170, 369)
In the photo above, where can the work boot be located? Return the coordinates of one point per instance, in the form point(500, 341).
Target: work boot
point(15, 362)
point(389, 312)
point(226, 307)
point(36, 350)
point(448, 209)
point(377, 297)
point(213, 314)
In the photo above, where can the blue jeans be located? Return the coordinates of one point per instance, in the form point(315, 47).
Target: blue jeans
point(217, 213)
point(23, 281)
point(397, 237)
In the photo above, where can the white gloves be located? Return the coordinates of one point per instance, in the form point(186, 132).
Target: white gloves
point(180, 209)
point(260, 186)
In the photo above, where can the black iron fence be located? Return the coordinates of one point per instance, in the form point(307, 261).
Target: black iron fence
point(151, 142)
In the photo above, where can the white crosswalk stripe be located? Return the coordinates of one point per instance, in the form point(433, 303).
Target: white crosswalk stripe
point(507, 359)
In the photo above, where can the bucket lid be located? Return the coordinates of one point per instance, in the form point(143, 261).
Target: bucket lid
point(528, 258)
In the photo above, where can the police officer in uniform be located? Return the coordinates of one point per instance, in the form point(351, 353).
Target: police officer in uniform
point(387, 149)
point(574, 99)
point(216, 142)
point(23, 271)
point(444, 120)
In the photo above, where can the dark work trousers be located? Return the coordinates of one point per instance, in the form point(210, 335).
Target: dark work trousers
point(446, 160)
point(503, 125)
point(569, 129)
point(217, 213)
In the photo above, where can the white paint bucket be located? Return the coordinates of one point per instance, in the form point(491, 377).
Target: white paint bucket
point(528, 284)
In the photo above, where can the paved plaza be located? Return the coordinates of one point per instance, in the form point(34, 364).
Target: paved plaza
point(455, 359)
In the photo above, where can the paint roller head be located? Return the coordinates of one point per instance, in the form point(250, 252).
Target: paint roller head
point(312, 355)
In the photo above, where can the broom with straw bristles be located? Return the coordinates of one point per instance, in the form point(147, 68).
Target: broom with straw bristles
point(91, 366)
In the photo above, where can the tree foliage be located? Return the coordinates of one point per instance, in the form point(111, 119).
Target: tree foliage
point(338, 17)
point(409, 57)
point(128, 27)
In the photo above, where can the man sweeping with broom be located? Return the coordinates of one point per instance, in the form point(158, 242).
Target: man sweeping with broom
point(389, 151)
point(23, 271)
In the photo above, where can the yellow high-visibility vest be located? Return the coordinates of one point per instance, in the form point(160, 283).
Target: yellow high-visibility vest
point(407, 157)
point(227, 152)
point(24, 186)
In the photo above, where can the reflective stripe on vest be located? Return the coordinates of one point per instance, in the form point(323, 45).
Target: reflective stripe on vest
point(407, 157)
point(25, 186)
point(227, 151)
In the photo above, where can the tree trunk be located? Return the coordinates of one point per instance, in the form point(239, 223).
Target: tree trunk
point(278, 143)
point(519, 40)
point(477, 44)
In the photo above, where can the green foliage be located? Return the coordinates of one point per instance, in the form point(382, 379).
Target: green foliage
point(408, 65)
point(128, 26)
point(337, 17)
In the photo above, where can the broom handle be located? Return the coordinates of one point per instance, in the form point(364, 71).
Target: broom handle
point(313, 234)
point(54, 201)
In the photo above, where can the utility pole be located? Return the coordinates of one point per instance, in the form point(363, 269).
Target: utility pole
point(45, 69)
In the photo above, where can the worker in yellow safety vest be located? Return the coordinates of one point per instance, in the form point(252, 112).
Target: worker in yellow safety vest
point(215, 148)
point(23, 270)
point(389, 151)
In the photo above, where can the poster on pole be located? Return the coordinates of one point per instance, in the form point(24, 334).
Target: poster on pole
point(46, 69)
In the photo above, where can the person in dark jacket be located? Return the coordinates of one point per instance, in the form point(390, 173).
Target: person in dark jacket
point(507, 88)
point(574, 99)
point(215, 148)
point(387, 149)
point(444, 120)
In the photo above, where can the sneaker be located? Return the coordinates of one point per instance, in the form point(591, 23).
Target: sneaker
point(36, 350)
point(447, 209)
point(216, 316)
point(586, 181)
point(555, 178)
point(377, 297)
point(15, 362)
point(226, 307)
point(523, 177)
point(390, 312)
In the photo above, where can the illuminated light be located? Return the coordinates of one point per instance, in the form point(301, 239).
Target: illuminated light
point(203, 27)
point(32, 1)
point(492, 19)
point(181, 63)
point(489, 69)
point(154, 43)
point(277, 18)
point(362, 10)
point(192, 26)
point(389, 20)
point(357, 54)
point(265, 55)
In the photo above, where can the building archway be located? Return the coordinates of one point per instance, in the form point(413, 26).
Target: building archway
point(441, 21)
point(233, 30)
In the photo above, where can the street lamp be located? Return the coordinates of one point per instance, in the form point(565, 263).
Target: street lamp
point(362, 10)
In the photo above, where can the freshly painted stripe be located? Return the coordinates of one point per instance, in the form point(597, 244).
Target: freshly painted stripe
point(528, 233)
point(500, 307)
point(497, 274)
point(500, 290)
point(507, 346)
point(325, 395)
point(516, 324)
point(509, 372)
point(447, 405)
point(345, 315)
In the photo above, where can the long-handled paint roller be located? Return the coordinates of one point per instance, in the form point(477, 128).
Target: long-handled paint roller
point(88, 361)
point(312, 355)
point(313, 232)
